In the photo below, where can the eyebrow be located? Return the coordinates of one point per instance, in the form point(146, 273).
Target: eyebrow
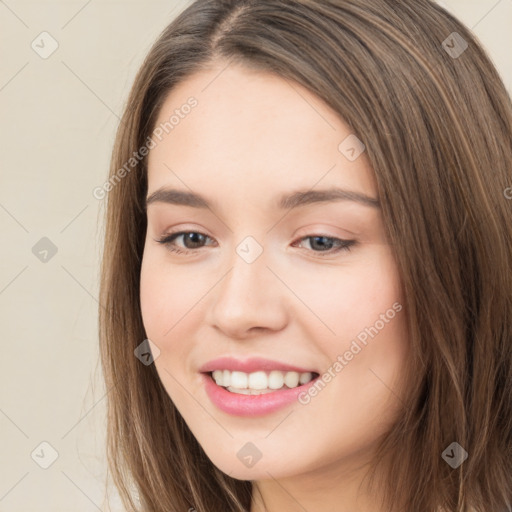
point(286, 201)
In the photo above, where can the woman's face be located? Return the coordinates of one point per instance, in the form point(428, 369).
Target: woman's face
point(310, 284)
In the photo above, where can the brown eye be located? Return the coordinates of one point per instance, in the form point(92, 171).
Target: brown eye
point(191, 240)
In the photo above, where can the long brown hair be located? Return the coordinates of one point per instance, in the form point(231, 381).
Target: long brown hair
point(420, 92)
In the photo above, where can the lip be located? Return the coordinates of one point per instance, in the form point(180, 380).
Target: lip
point(251, 405)
point(252, 364)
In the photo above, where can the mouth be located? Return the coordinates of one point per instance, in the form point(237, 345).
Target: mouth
point(260, 382)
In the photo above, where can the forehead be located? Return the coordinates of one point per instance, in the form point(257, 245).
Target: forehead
point(251, 132)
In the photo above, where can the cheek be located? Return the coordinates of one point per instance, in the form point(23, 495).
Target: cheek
point(365, 310)
point(164, 315)
point(161, 307)
point(349, 300)
point(172, 307)
point(166, 294)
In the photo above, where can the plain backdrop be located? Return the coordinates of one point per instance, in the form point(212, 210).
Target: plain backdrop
point(60, 106)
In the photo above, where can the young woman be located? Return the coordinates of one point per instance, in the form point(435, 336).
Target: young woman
point(307, 278)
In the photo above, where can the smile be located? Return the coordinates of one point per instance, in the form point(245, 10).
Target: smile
point(260, 382)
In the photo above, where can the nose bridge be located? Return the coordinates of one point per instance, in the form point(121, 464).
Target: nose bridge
point(248, 270)
point(249, 295)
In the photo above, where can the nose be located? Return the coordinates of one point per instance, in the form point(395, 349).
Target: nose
point(249, 299)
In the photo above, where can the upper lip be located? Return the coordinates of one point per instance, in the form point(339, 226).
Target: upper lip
point(249, 365)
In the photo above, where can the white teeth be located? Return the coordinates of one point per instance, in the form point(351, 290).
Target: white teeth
point(239, 380)
point(291, 379)
point(275, 380)
point(305, 378)
point(259, 382)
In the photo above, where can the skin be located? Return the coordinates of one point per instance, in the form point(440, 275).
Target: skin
point(252, 137)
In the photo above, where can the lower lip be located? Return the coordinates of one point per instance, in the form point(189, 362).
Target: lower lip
point(251, 405)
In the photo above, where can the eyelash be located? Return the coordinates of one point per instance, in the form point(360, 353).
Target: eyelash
point(168, 241)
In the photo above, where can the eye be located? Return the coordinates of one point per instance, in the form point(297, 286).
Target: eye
point(327, 244)
point(190, 237)
point(194, 240)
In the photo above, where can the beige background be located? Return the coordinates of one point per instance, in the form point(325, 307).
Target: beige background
point(58, 119)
